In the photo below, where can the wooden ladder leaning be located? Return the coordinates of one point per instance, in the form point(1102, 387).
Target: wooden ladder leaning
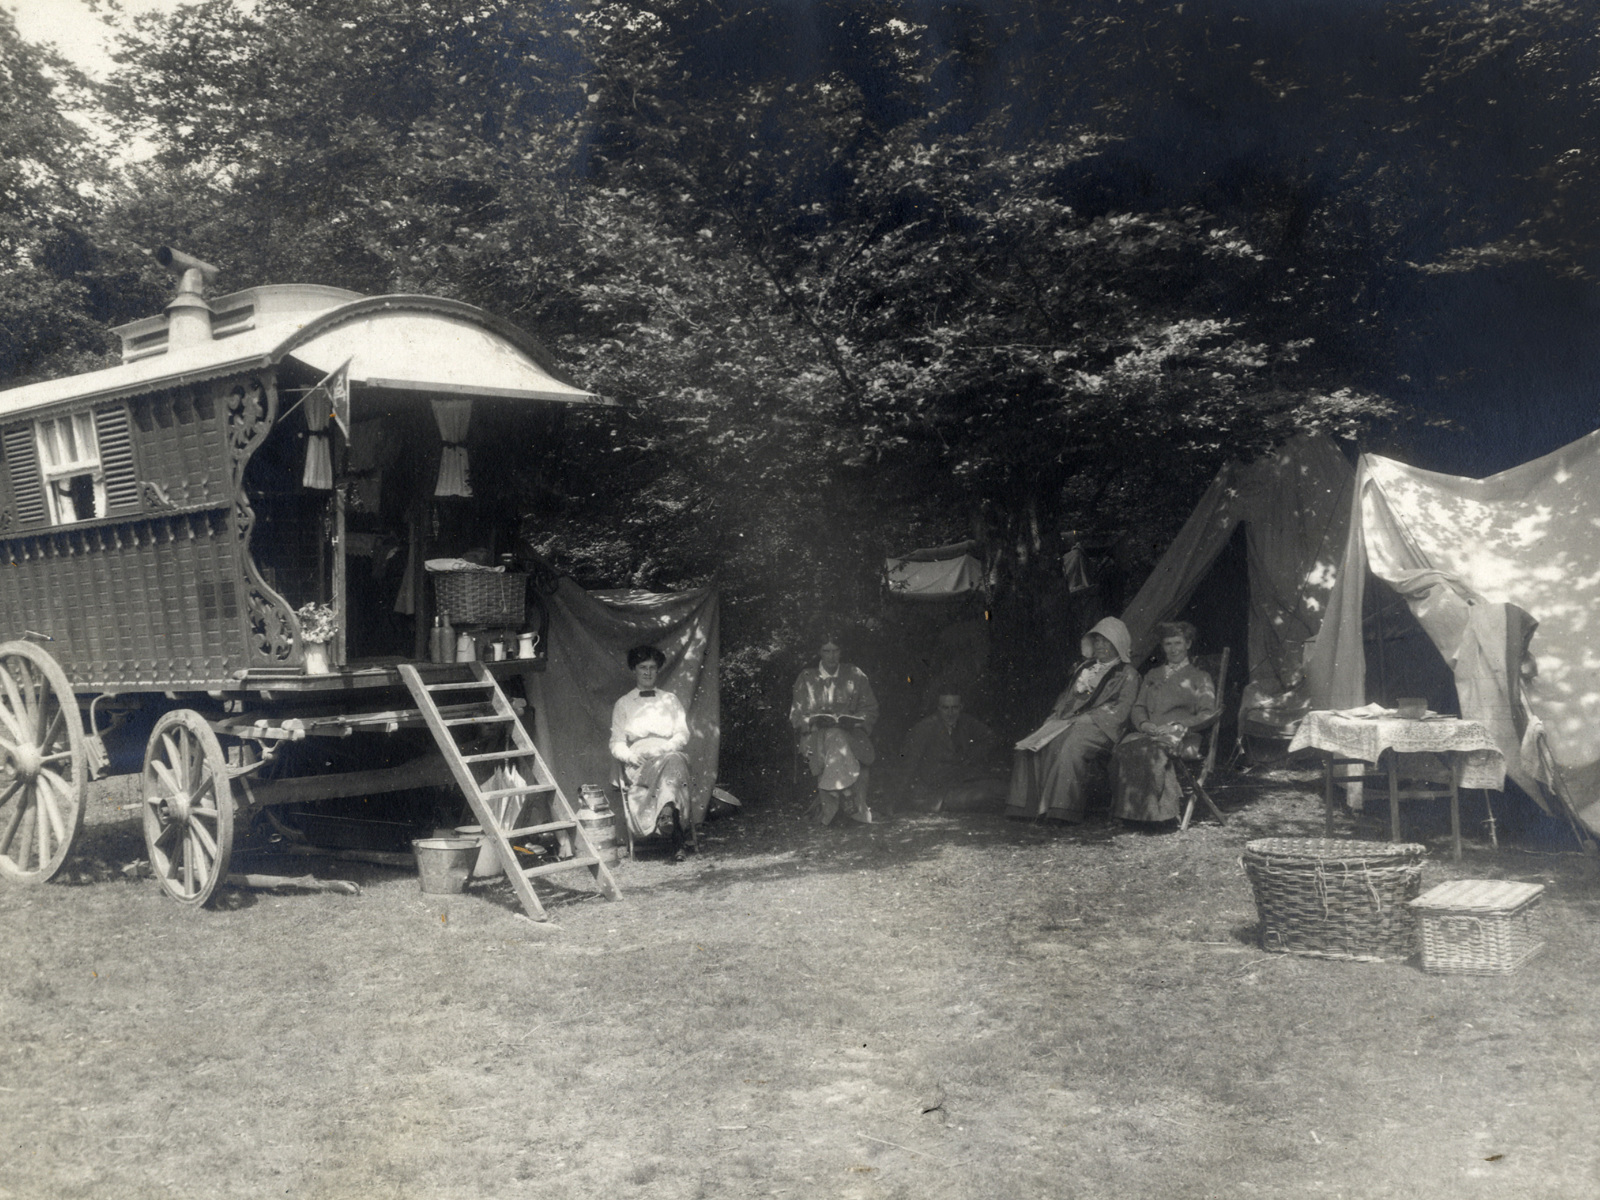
point(529, 762)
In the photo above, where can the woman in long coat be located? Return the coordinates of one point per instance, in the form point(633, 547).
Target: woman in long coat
point(833, 712)
point(1174, 699)
point(1054, 766)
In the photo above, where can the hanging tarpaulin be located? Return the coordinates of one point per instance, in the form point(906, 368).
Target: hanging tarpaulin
point(453, 417)
point(323, 402)
point(1075, 570)
point(590, 635)
point(943, 573)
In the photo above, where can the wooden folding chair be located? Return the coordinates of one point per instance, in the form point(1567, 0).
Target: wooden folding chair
point(1190, 778)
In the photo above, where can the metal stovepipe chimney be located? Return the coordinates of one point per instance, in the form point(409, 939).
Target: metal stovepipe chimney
point(188, 316)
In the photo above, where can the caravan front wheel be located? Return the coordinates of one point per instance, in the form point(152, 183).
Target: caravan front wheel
point(188, 807)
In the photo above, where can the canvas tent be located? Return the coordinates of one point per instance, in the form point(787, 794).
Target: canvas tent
point(1294, 505)
point(1503, 574)
point(590, 634)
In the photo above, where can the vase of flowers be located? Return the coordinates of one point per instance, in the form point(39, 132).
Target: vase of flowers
point(319, 625)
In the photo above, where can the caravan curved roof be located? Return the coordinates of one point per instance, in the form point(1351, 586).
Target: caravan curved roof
point(411, 343)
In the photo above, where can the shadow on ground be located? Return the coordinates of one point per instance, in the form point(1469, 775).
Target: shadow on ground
point(774, 837)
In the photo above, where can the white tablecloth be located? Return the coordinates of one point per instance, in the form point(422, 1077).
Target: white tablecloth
point(1366, 737)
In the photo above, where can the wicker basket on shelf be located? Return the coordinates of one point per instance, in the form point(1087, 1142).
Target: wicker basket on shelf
point(481, 597)
point(1335, 899)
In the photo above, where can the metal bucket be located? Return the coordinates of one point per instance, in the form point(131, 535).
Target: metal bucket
point(487, 864)
point(601, 830)
point(443, 864)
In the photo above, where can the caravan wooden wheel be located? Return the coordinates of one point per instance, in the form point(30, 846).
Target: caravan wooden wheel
point(188, 807)
point(43, 764)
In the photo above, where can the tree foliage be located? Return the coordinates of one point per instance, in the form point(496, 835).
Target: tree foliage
point(863, 274)
point(59, 288)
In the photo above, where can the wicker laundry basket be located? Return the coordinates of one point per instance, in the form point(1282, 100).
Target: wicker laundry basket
point(1336, 899)
point(482, 597)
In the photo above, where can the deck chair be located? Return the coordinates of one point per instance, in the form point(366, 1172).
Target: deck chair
point(1195, 767)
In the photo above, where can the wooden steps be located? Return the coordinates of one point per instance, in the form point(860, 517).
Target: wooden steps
point(483, 800)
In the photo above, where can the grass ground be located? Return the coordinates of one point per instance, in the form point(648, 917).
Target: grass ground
point(1083, 1014)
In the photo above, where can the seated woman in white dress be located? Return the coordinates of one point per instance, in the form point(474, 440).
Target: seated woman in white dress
point(649, 733)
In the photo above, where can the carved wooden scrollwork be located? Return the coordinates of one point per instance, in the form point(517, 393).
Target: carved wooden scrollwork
point(274, 633)
point(252, 408)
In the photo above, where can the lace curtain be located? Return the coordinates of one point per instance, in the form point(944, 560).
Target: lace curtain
point(319, 459)
point(453, 417)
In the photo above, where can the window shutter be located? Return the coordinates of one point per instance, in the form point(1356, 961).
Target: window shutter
point(22, 462)
point(116, 460)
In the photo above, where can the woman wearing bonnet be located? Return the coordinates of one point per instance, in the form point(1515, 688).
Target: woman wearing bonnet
point(1055, 764)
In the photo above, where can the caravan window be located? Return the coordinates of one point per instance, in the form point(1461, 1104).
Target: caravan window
point(69, 462)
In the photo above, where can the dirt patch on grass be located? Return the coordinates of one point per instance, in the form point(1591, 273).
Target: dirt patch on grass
point(937, 1007)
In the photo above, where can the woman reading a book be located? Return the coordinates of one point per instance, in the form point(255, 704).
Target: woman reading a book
point(649, 732)
point(1174, 700)
point(833, 710)
point(1053, 766)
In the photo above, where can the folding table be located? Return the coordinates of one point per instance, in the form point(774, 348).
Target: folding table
point(1375, 738)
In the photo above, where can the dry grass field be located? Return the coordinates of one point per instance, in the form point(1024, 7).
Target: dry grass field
point(1082, 1014)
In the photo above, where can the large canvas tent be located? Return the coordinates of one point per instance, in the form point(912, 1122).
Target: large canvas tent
point(1503, 574)
point(1294, 505)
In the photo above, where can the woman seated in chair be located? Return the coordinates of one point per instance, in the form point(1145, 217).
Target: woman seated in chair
point(649, 732)
point(1176, 700)
point(1054, 766)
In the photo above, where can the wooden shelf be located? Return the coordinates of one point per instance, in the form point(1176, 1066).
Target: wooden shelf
point(361, 676)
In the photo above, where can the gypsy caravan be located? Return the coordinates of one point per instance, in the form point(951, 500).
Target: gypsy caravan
point(220, 549)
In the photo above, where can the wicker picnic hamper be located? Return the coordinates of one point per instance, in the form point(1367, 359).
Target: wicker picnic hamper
point(481, 597)
point(1333, 898)
point(1479, 926)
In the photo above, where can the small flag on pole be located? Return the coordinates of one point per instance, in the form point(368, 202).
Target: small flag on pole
point(337, 386)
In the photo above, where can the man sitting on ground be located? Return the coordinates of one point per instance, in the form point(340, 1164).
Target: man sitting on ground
point(948, 761)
